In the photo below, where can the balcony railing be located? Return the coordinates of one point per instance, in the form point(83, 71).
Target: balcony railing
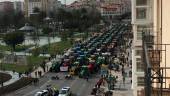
point(155, 76)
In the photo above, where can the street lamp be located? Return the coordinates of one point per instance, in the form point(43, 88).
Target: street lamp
point(1, 75)
point(1, 69)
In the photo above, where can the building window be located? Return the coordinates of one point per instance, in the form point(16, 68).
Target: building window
point(139, 35)
point(141, 2)
point(139, 65)
point(141, 13)
point(140, 81)
point(140, 29)
point(138, 52)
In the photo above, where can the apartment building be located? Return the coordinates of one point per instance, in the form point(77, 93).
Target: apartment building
point(18, 6)
point(43, 5)
point(6, 6)
point(111, 8)
point(151, 17)
point(142, 20)
point(161, 26)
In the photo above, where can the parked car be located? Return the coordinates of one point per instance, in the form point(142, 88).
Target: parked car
point(42, 93)
point(65, 91)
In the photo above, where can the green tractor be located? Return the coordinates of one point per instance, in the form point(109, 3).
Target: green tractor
point(74, 68)
point(55, 67)
point(84, 72)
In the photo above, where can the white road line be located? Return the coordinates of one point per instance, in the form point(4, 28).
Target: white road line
point(36, 90)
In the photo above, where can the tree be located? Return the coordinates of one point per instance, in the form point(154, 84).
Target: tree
point(43, 66)
point(13, 39)
point(64, 36)
point(18, 19)
point(77, 19)
point(47, 31)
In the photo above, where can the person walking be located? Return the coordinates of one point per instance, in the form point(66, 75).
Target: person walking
point(36, 74)
point(124, 80)
point(87, 78)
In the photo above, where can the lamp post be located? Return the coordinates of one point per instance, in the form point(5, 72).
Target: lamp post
point(1, 69)
point(1, 75)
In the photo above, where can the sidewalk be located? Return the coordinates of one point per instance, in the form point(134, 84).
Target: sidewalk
point(15, 77)
point(120, 88)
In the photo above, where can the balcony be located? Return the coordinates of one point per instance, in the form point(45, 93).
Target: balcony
point(156, 78)
point(154, 57)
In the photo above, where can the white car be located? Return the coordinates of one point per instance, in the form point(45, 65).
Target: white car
point(65, 91)
point(42, 93)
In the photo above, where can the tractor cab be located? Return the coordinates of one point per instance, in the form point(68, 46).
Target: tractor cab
point(84, 71)
point(55, 66)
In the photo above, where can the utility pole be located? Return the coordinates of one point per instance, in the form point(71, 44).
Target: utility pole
point(65, 3)
point(1, 69)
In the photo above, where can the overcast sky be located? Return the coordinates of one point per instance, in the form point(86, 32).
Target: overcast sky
point(68, 1)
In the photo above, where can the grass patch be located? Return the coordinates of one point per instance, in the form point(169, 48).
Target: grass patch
point(18, 47)
point(59, 47)
point(1, 36)
point(32, 62)
point(55, 48)
point(4, 77)
point(16, 85)
point(17, 68)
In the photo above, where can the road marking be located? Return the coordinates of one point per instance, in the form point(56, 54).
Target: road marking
point(45, 84)
point(36, 90)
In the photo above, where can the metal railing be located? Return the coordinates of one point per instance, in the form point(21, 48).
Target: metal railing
point(155, 73)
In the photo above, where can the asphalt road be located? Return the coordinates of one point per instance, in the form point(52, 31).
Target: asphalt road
point(79, 86)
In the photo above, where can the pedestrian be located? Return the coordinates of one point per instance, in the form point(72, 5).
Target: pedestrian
point(20, 74)
point(124, 80)
point(94, 91)
point(99, 84)
point(40, 73)
point(47, 68)
point(13, 71)
point(35, 74)
point(87, 78)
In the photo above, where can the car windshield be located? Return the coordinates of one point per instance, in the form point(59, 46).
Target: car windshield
point(63, 92)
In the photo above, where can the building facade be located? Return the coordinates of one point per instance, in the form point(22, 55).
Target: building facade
point(142, 21)
point(43, 5)
point(111, 8)
point(151, 17)
point(18, 6)
point(162, 28)
point(6, 6)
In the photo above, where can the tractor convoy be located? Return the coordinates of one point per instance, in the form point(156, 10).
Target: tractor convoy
point(88, 57)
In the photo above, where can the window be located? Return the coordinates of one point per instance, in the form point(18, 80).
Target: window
point(140, 81)
point(138, 52)
point(141, 2)
point(140, 29)
point(139, 65)
point(141, 13)
point(139, 35)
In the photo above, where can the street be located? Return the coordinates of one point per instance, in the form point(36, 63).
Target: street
point(79, 86)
